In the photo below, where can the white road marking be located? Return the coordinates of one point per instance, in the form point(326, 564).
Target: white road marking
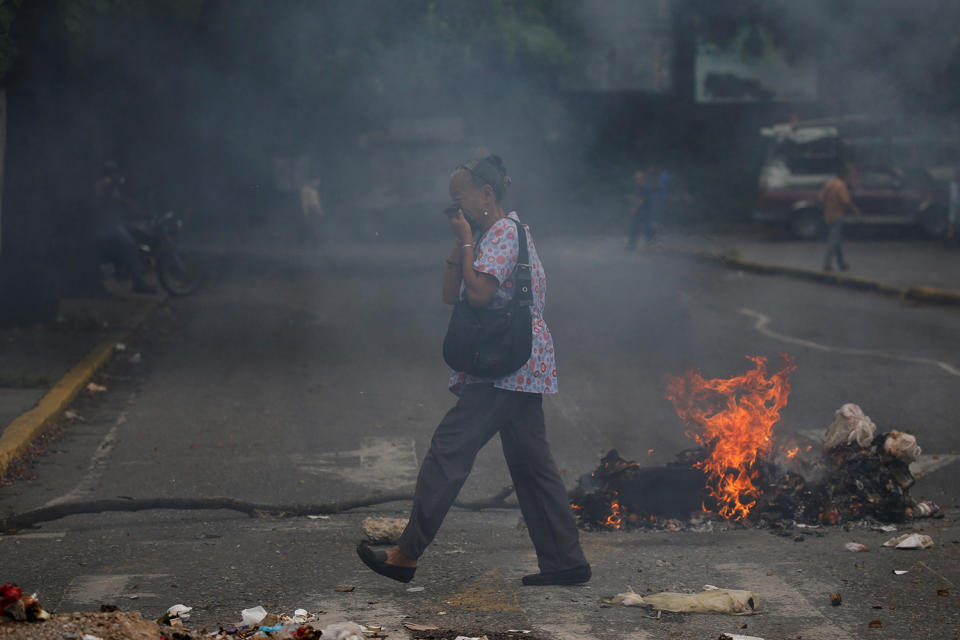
point(98, 463)
point(929, 464)
point(776, 596)
point(379, 463)
point(761, 325)
point(38, 535)
point(105, 589)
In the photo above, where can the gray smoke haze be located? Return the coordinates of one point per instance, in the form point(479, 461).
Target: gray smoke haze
point(230, 106)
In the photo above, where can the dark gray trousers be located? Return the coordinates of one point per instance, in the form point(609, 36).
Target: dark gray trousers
point(482, 411)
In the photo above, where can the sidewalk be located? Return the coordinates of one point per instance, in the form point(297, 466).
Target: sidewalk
point(921, 270)
point(43, 367)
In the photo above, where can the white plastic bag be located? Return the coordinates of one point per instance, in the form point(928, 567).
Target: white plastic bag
point(902, 445)
point(253, 616)
point(343, 631)
point(849, 425)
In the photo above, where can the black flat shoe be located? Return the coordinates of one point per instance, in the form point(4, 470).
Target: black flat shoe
point(577, 575)
point(377, 561)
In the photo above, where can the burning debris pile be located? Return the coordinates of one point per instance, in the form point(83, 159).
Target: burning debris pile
point(738, 474)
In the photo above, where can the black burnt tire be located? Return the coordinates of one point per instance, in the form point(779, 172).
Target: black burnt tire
point(933, 222)
point(807, 224)
point(182, 271)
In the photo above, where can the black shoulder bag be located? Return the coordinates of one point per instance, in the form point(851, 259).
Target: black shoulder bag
point(488, 342)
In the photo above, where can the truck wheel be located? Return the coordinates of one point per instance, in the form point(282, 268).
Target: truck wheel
point(807, 224)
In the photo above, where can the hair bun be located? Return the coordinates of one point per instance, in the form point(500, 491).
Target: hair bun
point(497, 162)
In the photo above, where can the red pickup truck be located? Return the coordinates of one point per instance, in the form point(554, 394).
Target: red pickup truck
point(801, 160)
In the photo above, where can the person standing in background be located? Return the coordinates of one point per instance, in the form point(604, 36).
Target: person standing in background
point(312, 211)
point(836, 202)
point(640, 216)
point(659, 197)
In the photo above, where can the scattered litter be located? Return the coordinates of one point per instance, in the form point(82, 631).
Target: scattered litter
point(523, 631)
point(664, 563)
point(24, 608)
point(383, 530)
point(736, 636)
point(319, 517)
point(856, 547)
point(943, 592)
point(902, 446)
point(121, 347)
point(345, 589)
point(342, 631)
point(136, 358)
point(910, 541)
point(886, 528)
point(420, 627)
point(900, 572)
point(415, 589)
point(90, 636)
point(730, 601)
point(710, 587)
point(179, 611)
point(875, 624)
point(470, 638)
point(372, 630)
point(836, 600)
point(926, 509)
point(93, 387)
point(253, 616)
point(300, 613)
point(73, 415)
point(849, 425)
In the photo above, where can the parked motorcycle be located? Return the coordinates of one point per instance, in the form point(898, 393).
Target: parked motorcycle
point(180, 270)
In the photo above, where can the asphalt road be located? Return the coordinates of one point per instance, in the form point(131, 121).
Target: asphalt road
point(303, 377)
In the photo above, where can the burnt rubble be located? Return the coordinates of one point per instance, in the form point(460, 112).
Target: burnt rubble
point(849, 483)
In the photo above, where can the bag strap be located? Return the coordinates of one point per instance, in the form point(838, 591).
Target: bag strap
point(522, 282)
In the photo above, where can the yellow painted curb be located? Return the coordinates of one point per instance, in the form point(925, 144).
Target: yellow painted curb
point(921, 294)
point(18, 435)
point(931, 295)
point(21, 432)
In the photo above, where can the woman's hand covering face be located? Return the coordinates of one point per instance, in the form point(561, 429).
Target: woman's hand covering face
point(461, 228)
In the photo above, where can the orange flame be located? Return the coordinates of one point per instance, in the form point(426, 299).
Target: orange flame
point(792, 452)
point(735, 417)
point(614, 520)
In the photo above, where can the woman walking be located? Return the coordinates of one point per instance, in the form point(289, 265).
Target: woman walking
point(480, 273)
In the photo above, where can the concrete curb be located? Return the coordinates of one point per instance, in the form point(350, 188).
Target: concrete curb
point(18, 435)
point(928, 295)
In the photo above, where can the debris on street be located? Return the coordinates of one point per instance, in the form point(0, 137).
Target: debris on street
point(856, 547)
point(18, 606)
point(849, 426)
point(93, 387)
point(902, 446)
point(858, 475)
point(910, 541)
point(728, 601)
point(383, 530)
